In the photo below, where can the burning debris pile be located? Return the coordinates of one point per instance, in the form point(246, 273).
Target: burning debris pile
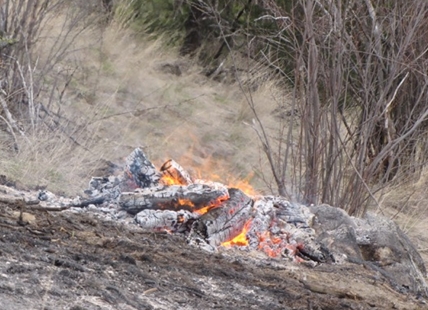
point(209, 213)
point(213, 216)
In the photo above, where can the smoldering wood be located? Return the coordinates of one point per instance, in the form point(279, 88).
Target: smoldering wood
point(81, 204)
point(92, 201)
point(138, 172)
point(141, 170)
point(174, 171)
point(108, 187)
point(172, 208)
point(157, 220)
point(264, 213)
point(267, 232)
point(226, 222)
point(291, 213)
point(298, 233)
point(280, 229)
point(175, 197)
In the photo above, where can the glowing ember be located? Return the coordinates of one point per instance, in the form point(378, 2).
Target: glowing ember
point(241, 239)
point(188, 204)
point(273, 246)
point(203, 210)
point(185, 202)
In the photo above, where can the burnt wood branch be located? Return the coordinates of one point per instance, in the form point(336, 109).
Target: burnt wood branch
point(140, 170)
point(92, 201)
point(103, 184)
point(39, 208)
point(176, 197)
point(292, 213)
point(174, 172)
point(161, 220)
point(262, 221)
point(226, 222)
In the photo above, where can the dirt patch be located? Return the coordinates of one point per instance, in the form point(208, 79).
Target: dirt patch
point(63, 260)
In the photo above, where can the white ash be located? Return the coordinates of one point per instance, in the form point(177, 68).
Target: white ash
point(160, 220)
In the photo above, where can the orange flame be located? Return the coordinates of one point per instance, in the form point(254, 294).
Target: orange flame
point(189, 204)
point(203, 210)
point(184, 202)
point(241, 239)
point(244, 186)
point(169, 180)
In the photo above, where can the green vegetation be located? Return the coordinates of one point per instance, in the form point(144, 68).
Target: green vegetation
point(154, 16)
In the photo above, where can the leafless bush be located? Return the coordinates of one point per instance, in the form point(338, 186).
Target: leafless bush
point(358, 71)
point(23, 71)
point(360, 86)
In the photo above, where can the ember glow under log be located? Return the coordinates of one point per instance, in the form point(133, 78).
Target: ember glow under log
point(225, 222)
point(241, 239)
point(198, 198)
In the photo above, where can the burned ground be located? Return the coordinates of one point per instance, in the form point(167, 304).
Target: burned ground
point(62, 260)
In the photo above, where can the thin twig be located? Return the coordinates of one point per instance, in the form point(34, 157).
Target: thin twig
point(139, 111)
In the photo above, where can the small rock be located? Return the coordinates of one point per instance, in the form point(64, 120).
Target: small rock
point(27, 218)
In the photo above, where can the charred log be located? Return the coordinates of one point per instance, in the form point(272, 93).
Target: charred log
point(264, 215)
point(173, 173)
point(292, 213)
point(140, 171)
point(194, 198)
point(94, 201)
point(224, 223)
point(158, 220)
point(108, 187)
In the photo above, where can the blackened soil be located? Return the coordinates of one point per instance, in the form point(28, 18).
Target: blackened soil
point(61, 260)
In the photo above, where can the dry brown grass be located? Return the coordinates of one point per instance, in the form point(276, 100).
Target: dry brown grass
point(120, 98)
point(46, 161)
point(407, 204)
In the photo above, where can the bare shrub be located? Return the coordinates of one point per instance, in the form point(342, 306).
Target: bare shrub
point(358, 71)
point(24, 72)
point(360, 88)
point(38, 39)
